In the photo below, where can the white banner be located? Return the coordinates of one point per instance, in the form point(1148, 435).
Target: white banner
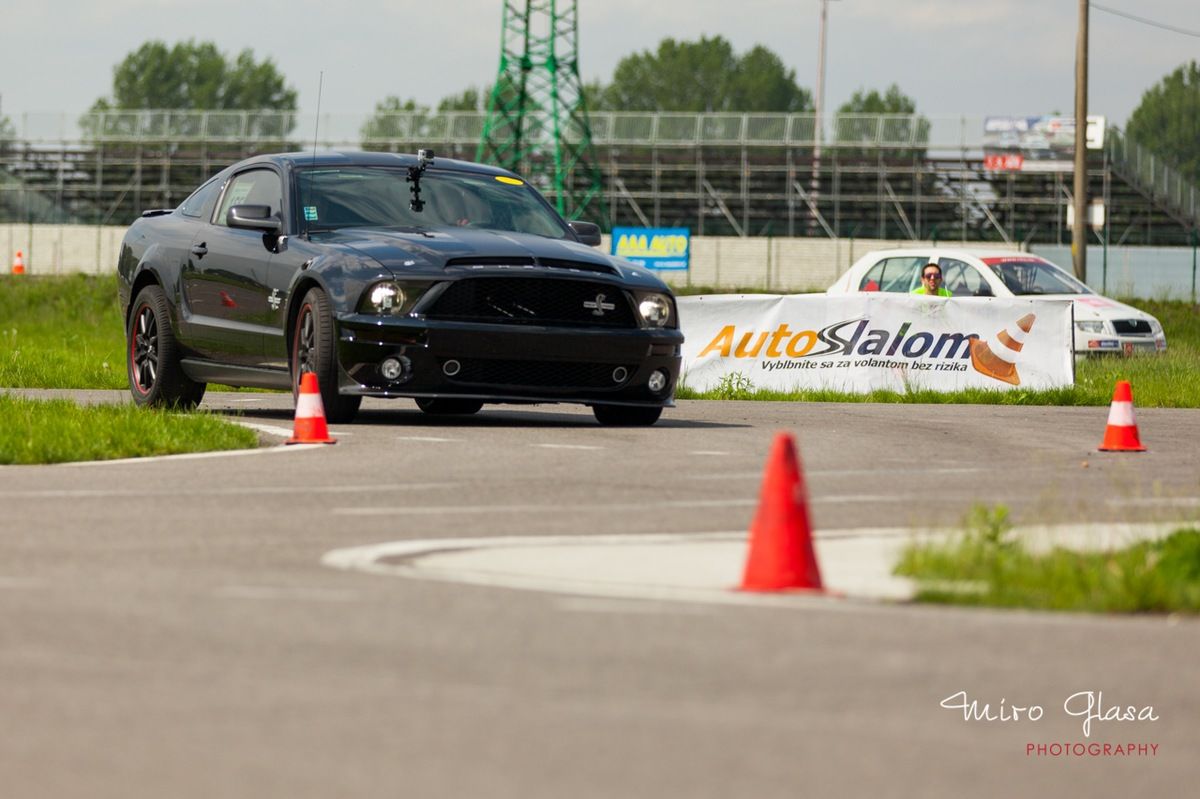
point(864, 342)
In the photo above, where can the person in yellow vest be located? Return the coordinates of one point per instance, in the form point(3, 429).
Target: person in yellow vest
point(931, 282)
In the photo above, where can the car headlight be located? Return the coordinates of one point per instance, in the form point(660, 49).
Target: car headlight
point(1095, 326)
point(655, 309)
point(389, 298)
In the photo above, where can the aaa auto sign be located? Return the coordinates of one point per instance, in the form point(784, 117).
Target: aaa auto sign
point(653, 247)
point(866, 342)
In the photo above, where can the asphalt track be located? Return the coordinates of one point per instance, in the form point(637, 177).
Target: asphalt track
point(170, 628)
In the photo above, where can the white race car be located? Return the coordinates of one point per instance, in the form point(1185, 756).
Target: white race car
point(1101, 324)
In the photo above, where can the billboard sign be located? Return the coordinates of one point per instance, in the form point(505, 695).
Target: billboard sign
point(653, 247)
point(877, 341)
point(1035, 143)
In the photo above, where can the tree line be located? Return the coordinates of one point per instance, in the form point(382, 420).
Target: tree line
point(707, 75)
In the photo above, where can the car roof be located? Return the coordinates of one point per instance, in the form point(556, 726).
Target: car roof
point(952, 252)
point(328, 158)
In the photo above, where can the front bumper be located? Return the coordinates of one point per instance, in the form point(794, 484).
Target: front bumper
point(1101, 344)
point(507, 363)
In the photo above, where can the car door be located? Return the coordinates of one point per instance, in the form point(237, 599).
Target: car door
point(963, 279)
point(897, 274)
point(226, 290)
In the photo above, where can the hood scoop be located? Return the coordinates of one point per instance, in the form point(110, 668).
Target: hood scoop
point(523, 262)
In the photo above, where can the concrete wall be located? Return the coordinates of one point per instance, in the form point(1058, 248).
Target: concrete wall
point(773, 264)
point(59, 249)
point(777, 264)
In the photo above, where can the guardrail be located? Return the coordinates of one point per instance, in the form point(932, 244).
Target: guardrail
point(1154, 176)
point(465, 128)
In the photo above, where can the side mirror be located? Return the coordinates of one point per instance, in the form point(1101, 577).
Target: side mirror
point(254, 217)
point(587, 233)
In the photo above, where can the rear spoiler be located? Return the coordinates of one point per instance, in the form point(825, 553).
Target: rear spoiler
point(156, 212)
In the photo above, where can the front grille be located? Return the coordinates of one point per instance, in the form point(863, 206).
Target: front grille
point(534, 301)
point(1131, 327)
point(542, 374)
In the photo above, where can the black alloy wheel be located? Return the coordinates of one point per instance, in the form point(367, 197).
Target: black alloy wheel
point(156, 378)
point(626, 415)
point(314, 350)
point(449, 406)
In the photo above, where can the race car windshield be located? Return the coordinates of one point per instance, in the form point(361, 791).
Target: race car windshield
point(352, 197)
point(1035, 277)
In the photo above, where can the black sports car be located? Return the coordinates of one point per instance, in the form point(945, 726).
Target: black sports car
point(391, 276)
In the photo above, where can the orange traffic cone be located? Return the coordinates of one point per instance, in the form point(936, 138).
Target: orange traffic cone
point(998, 358)
point(310, 414)
point(18, 267)
point(781, 554)
point(1121, 435)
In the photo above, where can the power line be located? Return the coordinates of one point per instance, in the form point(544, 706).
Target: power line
point(1145, 21)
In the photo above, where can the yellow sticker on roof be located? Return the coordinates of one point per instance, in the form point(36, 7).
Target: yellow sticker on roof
point(510, 181)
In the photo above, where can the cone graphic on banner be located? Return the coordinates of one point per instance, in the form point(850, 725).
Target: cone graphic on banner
point(998, 358)
point(781, 555)
point(18, 267)
point(1121, 435)
point(310, 414)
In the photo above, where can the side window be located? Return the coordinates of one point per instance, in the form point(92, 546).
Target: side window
point(200, 204)
point(873, 277)
point(893, 274)
point(962, 279)
point(256, 187)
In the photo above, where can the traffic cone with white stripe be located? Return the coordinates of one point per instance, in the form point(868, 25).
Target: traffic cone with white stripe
point(310, 414)
point(18, 267)
point(1121, 435)
point(998, 358)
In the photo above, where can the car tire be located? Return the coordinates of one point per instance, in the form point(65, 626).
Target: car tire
point(626, 415)
point(152, 355)
point(449, 406)
point(314, 350)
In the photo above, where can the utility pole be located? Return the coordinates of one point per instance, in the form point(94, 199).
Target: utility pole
point(1079, 228)
point(819, 103)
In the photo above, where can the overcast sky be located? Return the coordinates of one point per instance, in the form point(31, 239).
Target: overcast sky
point(973, 57)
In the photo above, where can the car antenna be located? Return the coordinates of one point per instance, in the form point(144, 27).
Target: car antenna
point(316, 134)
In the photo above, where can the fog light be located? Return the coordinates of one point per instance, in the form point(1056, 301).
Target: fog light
point(395, 368)
point(451, 367)
point(620, 374)
point(658, 381)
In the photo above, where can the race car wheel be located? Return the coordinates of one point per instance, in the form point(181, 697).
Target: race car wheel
point(449, 406)
point(625, 415)
point(314, 350)
point(156, 378)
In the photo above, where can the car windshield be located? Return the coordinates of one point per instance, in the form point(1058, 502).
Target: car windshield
point(1034, 276)
point(344, 197)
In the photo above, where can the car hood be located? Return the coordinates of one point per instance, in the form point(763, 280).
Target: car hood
point(1093, 306)
point(417, 254)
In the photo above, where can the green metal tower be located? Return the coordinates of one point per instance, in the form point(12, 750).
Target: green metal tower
point(537, 122)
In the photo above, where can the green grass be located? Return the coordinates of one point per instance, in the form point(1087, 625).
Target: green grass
point(988, 566)
point(61, 332)
point(57, 431)
point(66, 332)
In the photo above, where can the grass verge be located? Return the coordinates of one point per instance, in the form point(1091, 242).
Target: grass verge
point(59, 431)
point(61, 332)
point(988, 566)
point(66, 332)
